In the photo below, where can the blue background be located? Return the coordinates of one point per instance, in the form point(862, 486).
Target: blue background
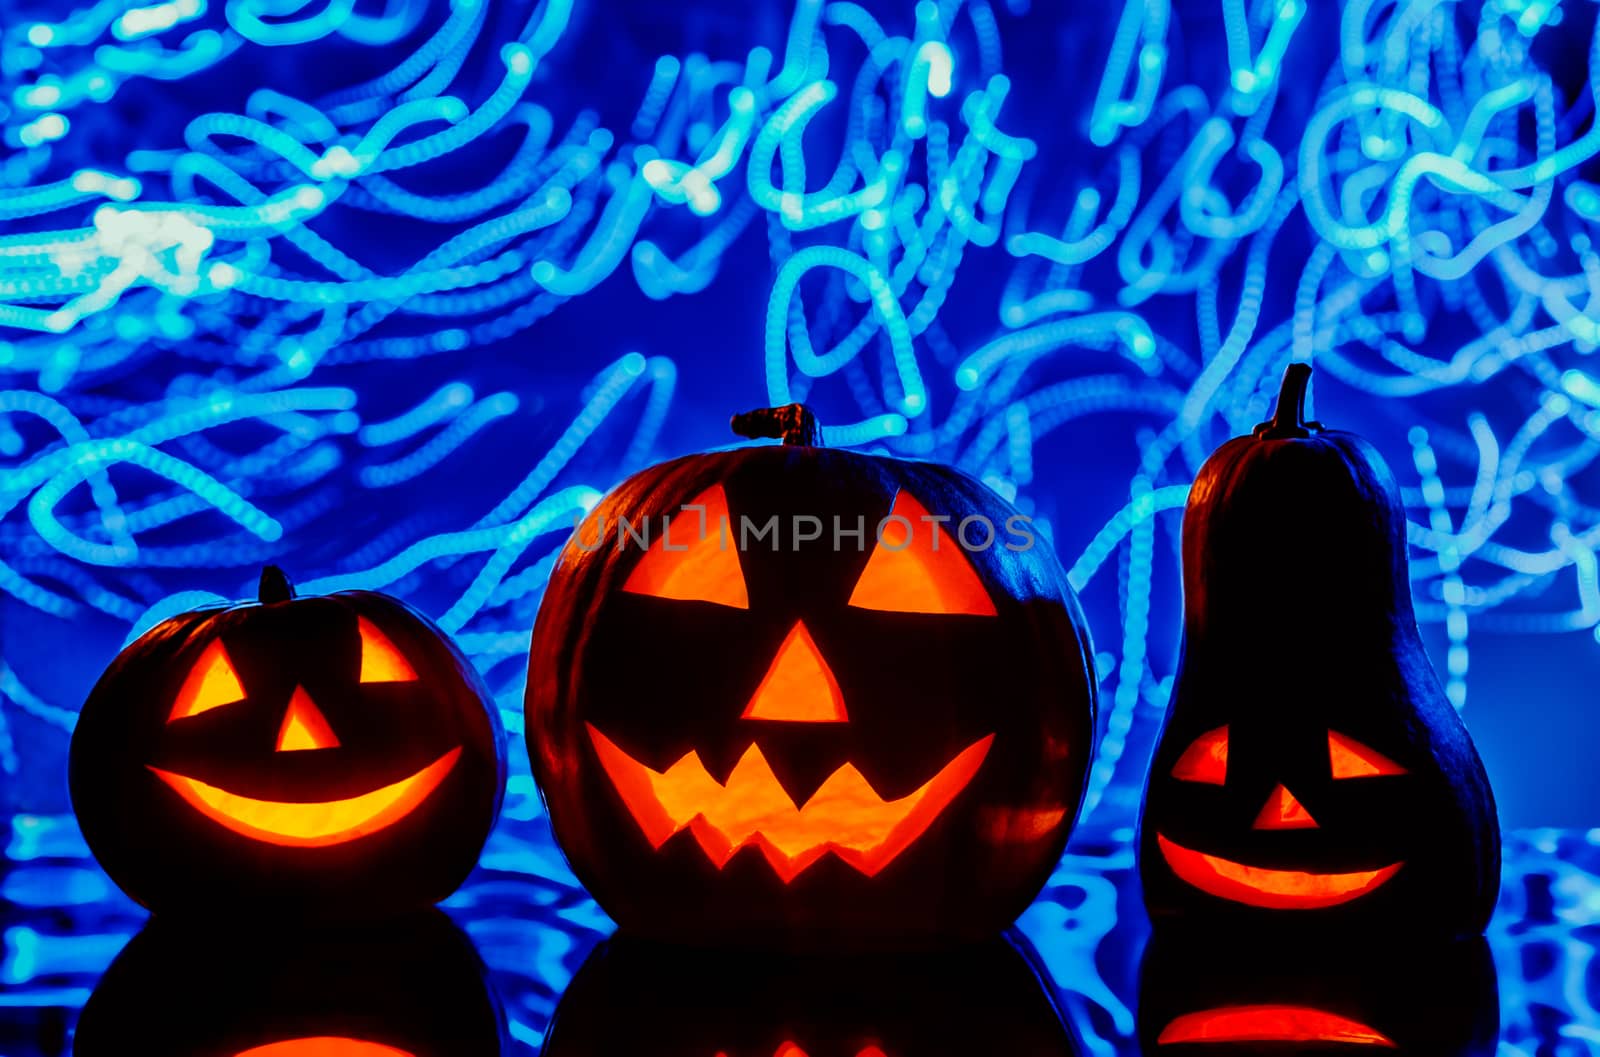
point(1123, 270)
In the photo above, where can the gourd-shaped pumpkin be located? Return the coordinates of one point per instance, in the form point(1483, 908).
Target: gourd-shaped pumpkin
point(331, 756)
point(1311, 771)
point(633, 997)
point(1409, 998)
point(408, 987)
point(753, 728)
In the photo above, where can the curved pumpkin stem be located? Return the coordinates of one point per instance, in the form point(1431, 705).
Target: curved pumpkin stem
point(274, 586)
point(1289, 417)
point(794, 423)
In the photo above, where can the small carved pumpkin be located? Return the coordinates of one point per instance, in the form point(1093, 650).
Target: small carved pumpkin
point(808, 738)
point(1409, 999)
point(1311, 771)
point(411, 987)
point(328, 756)
point(634, 997)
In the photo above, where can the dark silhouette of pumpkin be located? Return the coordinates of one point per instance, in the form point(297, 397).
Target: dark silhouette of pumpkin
point(634, 997)
point(1434, 998)
point(803, 739)
point(1311, 772)
point(293, 757)
point(409, 987)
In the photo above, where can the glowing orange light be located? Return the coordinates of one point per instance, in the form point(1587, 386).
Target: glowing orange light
point(799, 687)
point(1261, 887)
point(212, 683)
point(1270, 1023)
point(1348, 758)
point(1283, 811)
point(789, 1049)
point(919, 571)
point(304, 726)
point(695, 560)
point(380, 661)
point(312, 825)
point(845, 815)
point(1206, 760)
point(324, 1046)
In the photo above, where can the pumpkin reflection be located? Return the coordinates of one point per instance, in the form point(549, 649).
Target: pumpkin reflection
point(1428, 1000)
point(633, 997)
point(411, 988)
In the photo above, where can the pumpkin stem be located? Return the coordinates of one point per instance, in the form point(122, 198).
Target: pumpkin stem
point(1289, 417)
point(794, 423)
point(274, 586)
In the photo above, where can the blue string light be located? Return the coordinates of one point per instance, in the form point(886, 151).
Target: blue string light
point(201, 360)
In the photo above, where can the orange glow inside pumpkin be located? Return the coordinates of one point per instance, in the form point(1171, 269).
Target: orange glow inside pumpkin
point(1348, 758)
point(1283, 811)
point(1205, 760)
point(1270, 1023)
point(799, 687)
point(845, 815)
point(324, 1046)
point(1261, 887)
point(381, 662)
point(695, 559)
point(920, 569)
point(314, 824)
point(304, 726)
point(212, 683)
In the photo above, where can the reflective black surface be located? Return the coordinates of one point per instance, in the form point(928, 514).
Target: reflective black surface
point(416, 988)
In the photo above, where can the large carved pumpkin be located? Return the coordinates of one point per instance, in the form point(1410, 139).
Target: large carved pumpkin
point(410, 987)
point(1405, 999)
point(804, 739)
point(1311, 771)
point(633, 997)
point(330, 756)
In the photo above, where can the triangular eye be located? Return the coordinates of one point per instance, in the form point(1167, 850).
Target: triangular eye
point(212, 683)
point(381, 662)
point(1205, 760)
point(1348, 758)
point(695, 559)
point(917, 568)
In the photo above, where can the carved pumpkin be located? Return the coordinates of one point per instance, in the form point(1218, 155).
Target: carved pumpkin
point(412, 987)
point(315, 756)
point(634, 997)
point(1409, 999)
point(809, 740)
point(1311, 771)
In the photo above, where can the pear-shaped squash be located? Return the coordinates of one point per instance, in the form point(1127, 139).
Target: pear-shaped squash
point(1311, 772)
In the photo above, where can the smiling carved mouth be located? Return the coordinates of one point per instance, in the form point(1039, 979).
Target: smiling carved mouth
point(1258, 886)
point(845, 815)
point(312, 825)
point(1270, 1023)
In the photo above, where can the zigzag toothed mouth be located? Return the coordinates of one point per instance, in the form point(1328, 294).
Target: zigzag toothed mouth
point(845, 816)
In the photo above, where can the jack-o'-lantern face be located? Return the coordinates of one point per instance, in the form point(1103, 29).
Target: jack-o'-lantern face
point(332, 754)
point(412, 987)
point(751, 728)
point(213, 683)
point(908, 572)
point(1427, 999)
point(1311, 773)
point(1205, 763)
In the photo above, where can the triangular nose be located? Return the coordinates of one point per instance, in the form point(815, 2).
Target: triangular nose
point(799, 687)
point(304, 726)
point(1283, 811)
